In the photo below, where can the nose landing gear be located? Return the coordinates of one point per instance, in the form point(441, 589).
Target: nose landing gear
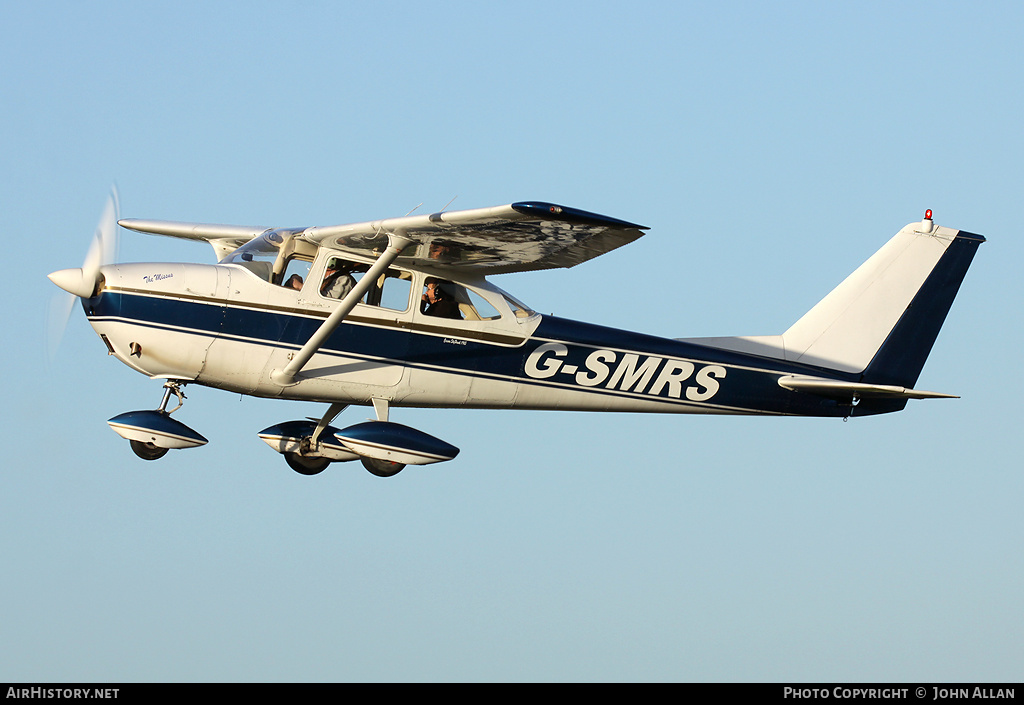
point(152, 433)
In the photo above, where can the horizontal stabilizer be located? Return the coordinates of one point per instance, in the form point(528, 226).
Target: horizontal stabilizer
point(835, 389)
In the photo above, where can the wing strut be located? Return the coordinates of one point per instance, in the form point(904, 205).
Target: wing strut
point(289, 375)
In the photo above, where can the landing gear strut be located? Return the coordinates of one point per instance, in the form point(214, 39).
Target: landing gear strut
point(303, 461)
point(171, 385)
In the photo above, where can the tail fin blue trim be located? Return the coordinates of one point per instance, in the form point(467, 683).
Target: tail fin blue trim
point(902, 356)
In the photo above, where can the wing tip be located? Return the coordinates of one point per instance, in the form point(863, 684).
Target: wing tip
point(553, 211)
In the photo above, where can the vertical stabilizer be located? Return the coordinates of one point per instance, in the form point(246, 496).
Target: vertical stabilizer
point(883, 319)
point(879, 325)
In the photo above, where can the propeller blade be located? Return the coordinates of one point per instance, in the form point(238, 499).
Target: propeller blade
point(57, 321)
point(103, 249)
point(83, 282)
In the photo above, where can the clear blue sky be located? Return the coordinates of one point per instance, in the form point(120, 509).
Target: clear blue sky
point(770, 148)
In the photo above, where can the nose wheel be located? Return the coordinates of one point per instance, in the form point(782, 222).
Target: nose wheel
point(148, 451)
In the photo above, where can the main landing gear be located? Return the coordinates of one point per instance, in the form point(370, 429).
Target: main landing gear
point(383, 448)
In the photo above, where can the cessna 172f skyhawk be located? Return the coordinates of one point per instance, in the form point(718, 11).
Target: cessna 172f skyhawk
point(399, 312)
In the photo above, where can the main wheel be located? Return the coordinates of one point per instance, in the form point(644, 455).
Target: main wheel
point(306, 465)
point(148, 451)
point(382, 468)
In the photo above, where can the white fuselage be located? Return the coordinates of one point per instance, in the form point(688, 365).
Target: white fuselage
point(223, 326)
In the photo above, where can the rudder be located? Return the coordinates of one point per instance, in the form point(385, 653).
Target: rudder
point(901, 357)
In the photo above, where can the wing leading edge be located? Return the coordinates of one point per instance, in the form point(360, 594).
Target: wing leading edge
point(224, 239)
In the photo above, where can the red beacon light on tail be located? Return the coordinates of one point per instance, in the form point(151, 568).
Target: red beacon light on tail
point(926, 224)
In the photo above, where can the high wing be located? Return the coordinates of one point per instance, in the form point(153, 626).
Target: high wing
point(224, 239)
point(519, 237)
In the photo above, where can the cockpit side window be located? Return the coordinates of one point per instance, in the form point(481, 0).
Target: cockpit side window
point(390, 291)
point(446, 299)
point(296, 273)
point(340, 277)
point(439, 299)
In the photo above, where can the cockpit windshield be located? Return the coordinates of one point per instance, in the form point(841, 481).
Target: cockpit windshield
point(261, 254)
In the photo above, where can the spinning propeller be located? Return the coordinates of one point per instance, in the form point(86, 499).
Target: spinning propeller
point(86, 280)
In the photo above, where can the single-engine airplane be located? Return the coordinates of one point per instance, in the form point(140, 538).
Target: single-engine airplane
point(400, 313)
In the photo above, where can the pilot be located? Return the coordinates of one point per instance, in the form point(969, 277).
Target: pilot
point(437, 301)
point(338, 280)
point(294, 282)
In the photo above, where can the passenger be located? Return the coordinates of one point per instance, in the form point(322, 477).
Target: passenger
point(338, 280)
point(436, 301)
point(294, 282)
